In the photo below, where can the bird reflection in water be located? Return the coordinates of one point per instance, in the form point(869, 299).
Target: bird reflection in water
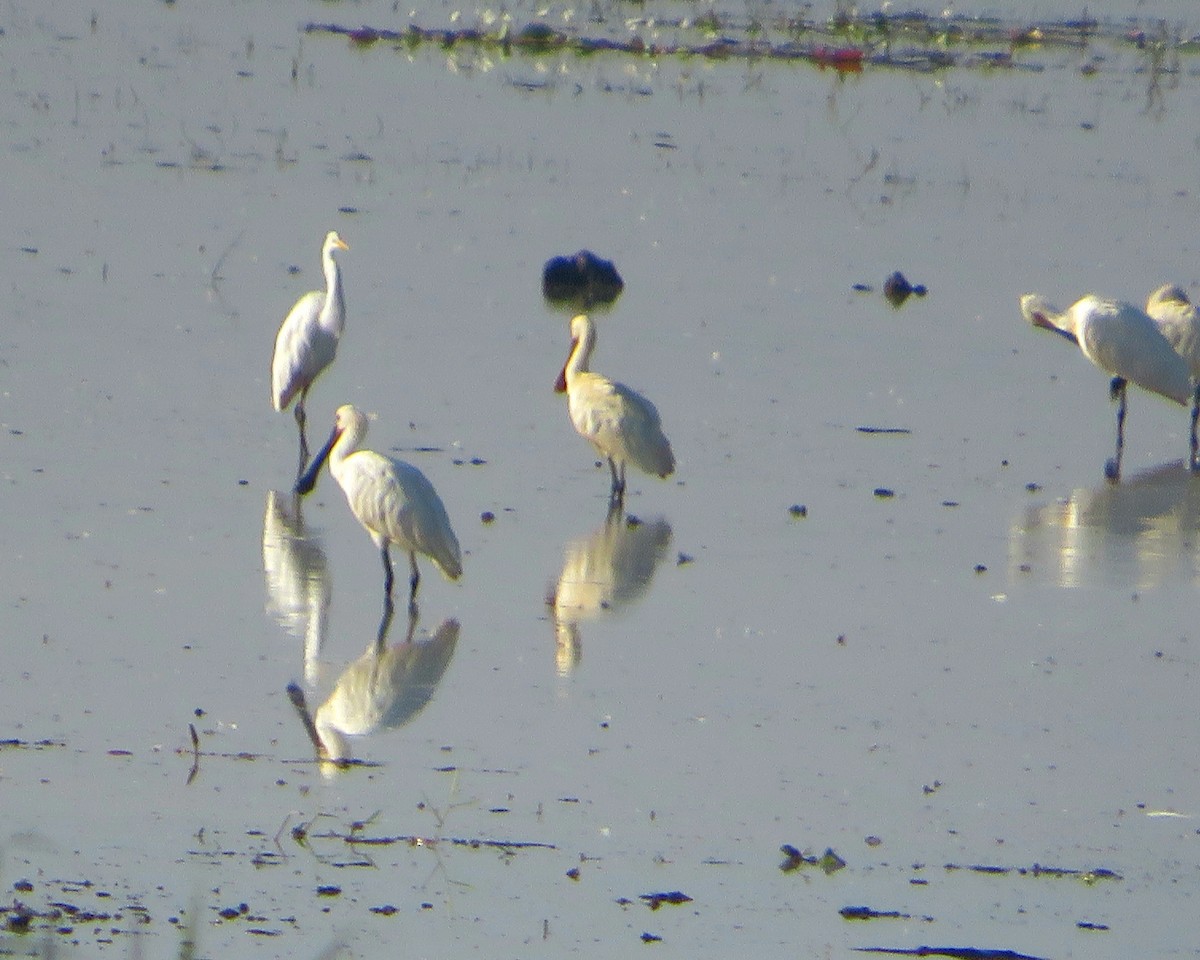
point(383, 689)
point(297, 577)
point(1140, 534)
point(602, 572)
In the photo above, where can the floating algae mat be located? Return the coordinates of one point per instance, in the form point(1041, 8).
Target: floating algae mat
point(849, 43)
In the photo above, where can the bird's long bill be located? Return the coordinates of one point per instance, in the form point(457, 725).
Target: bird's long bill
point(1040, 320)
point(296, 695)
point(309, 480)
point(560, 385)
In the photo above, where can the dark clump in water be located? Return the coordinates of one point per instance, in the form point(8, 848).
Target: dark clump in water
point(583, 279)
point(897, 289)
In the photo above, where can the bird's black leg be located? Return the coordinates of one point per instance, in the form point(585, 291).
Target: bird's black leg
point(412, 623)
point(616, 495)
point(1116, 390)
point(301, 420)
point(387, 573)
point(1194, 462)
point(385, 624)
point(414, 581)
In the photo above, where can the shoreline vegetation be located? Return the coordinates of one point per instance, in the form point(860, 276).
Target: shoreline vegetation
point(846, 43)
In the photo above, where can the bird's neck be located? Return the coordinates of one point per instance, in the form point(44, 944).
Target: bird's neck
point(577, 362)
point(335, 304)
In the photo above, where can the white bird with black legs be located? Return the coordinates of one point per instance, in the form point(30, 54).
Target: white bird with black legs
point(393, 500)
point(308, 339)
point(1122, 340)
point(620, 423)
point(1179, 321)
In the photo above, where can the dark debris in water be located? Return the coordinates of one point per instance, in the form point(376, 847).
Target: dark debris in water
point(957, 953)
point(656, 900)
point(828, 863)
point(868, 913)
point(15, 744)
point(1089, 877)
point(897, 289)
point(582, 279)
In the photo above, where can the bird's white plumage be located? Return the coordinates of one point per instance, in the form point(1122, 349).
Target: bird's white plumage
point(308, 337)
point(1119, 338)
point(383, 689)
point(393, 500)
point(620, 423)
point(1179, 321)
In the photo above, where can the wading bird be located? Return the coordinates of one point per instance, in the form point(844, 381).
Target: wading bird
point(620, 423)
point(1121, 340)
point(1179, 321)
point(385, 688)
point(393, 500)
point(308, 339)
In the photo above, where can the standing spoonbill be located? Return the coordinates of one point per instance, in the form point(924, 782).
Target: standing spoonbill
point(307, 340)
point(1121, 340)
point(393, 500)
point(1179, 321)
point(620, 423)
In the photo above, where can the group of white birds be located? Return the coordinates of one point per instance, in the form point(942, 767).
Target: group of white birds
point(1157, 348)
point(393, 500)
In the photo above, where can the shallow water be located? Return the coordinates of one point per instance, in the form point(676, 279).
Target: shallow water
point(993, 665)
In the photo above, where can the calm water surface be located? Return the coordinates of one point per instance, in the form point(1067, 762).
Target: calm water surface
point(995, 664)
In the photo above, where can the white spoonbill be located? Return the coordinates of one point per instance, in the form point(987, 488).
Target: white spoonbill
point(620, 423)
point(307, 340)
point(393, 500)
point(1179, 321)
point(1121, 340)
point(384, 689)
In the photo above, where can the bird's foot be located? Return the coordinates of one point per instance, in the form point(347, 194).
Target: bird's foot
point(1112, 471)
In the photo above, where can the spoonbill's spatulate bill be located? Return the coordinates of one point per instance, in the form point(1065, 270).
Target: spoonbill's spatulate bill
point(308, 339)
point(393, 500)
point(620, 423)
point(1121, 340)
point(1179, 321)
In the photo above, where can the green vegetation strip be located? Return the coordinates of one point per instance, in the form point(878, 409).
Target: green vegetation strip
point(913, 41)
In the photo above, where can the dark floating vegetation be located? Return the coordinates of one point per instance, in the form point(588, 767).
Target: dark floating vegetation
point(582, 279)
point(868, 913)
point(897, 289)
point(846, 43)
point(656, 900)
point(829, 862)
point(1037, 870)
point(958, 953)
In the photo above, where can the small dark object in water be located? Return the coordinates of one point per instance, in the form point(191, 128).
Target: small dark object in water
point(829, 862)
point(798, 510)
point(883, 493)
point(897, 289)
point(656, 900)
point(867, 913)
point(583, 279)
